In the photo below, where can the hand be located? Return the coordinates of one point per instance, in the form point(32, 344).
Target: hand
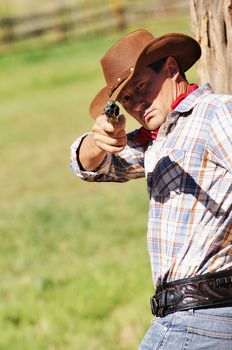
point(109, 138)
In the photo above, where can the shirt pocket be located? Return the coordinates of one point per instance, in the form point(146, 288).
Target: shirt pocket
point(165, 180)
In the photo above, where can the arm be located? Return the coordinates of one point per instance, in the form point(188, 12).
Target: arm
point(220, 143)
point(115, 167)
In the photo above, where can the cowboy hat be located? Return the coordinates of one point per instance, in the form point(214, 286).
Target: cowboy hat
point(136, 49)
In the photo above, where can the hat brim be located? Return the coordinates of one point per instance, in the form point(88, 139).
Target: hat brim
point(183, 48)
point(100, 100)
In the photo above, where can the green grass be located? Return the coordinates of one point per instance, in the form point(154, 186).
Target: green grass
point(74, 268)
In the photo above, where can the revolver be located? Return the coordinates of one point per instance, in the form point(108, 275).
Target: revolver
point(111, 110)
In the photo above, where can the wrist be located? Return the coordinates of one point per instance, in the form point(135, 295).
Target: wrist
point(89, 155)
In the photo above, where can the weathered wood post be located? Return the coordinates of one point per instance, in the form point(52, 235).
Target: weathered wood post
point(7, 29)
point(211, 22)
point(118, 8)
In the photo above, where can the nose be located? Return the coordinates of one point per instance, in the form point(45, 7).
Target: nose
point(138, 105)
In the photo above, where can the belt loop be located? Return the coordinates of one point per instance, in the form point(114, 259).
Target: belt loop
point(163, 302)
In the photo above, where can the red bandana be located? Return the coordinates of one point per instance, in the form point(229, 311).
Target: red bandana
point(180, 98)
point(144, 136)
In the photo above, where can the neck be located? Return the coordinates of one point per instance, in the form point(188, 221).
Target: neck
point(179, 87)
point(182, 87)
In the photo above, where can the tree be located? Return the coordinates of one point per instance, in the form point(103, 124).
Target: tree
point(211, 22)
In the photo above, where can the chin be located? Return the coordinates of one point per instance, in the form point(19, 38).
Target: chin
point(152, 126)
point(156, 122)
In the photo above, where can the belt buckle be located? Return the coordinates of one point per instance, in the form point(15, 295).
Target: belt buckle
point(154, 306)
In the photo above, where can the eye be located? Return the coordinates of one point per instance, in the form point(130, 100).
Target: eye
point(125, 99)
point(140, 86)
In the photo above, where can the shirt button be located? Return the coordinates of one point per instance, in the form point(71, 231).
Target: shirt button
point(172, 194)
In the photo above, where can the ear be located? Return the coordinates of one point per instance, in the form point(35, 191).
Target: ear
point(171, 67)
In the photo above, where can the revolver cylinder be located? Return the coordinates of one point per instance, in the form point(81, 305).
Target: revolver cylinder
point(112, 110)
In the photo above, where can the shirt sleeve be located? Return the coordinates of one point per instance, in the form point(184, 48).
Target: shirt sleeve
point(121, 167)
point(220, 141)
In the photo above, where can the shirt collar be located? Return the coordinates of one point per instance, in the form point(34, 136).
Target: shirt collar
point(190, 101)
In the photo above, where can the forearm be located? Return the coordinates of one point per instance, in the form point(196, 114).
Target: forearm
point(90, 156)
point(108, 167)
point(104, 155)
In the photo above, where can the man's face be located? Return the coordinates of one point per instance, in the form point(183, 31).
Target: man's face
point(148, 97)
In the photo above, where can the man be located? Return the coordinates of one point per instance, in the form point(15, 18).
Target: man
point(184, 150)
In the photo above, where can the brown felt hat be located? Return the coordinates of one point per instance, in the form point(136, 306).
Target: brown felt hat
point(140, 48)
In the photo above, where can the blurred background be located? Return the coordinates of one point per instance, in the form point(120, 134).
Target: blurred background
point(74, 267)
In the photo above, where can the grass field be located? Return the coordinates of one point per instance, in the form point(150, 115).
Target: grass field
point(74, 268)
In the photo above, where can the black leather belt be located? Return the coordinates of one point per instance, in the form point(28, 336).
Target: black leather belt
point(203, 291)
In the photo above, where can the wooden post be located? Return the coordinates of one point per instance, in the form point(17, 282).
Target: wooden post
point(211, 22)
point(118, 10)
point(7, 26)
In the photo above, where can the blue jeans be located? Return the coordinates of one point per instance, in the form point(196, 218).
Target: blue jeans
point(205, 329)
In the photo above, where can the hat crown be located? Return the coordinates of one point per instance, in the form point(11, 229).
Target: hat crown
point(119, 61)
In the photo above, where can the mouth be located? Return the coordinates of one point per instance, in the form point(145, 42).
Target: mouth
point(148, 116)
point(144, 115)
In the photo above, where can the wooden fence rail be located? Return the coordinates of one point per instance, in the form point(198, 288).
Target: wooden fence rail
point(66, 21)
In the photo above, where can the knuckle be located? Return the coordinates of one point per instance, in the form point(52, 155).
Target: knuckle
point(114, 141)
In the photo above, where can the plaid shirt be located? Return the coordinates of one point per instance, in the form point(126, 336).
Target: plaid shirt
point(189, 177)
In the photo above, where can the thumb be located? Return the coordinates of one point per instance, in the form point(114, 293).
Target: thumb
point(121, 122)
